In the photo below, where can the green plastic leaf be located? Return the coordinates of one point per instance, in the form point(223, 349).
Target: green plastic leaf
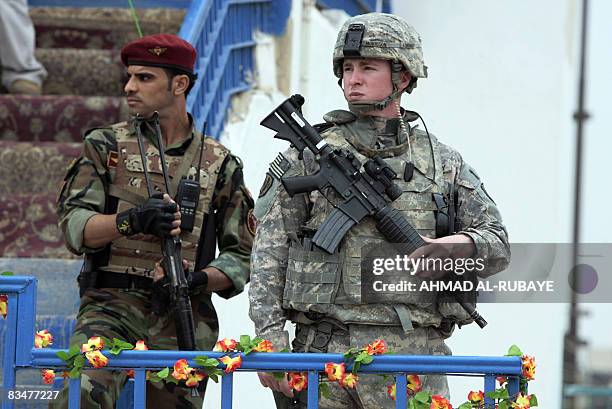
point(466, 405)
point(279, 376)
point(324, 390)
point(163, 374)
point(514, 351)
point(7, 273)
point(503, 405)
point(73, 351)
point(213, 377)
point(501, 393)
point(284, 350)
point(245, 341)
point(170, 379)
point(367, 359)
point(74, 373)
point(423, 397)
point(79, 361)
point(63, 355)
point(533, 401)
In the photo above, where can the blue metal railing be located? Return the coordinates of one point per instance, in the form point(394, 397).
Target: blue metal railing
point(222, 33)
point(20, 354)
point(354, 7)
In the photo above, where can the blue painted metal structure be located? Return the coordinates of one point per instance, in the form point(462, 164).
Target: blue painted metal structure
point(19, 354)
point(354, 7)
point(143, 4)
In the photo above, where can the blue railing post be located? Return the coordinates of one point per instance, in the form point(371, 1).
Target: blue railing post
point(313, 390)
point(401, 395)
point(140, 388)
point(74, 393)
point(227, 391)
point(489, 386)
point(10, 350)
point(513, 385)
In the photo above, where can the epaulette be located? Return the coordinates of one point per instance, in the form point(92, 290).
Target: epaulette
point(339, 117)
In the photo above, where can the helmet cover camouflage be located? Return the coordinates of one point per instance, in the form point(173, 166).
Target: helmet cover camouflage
point(387, 37)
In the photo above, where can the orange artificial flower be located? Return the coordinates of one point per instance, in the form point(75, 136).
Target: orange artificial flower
point(96, 358)
point(476, 398)
point(43, 339)
point(3, 305)
point(130, 373)
point(264, 346)
point(502, 380)
point(140, 346)
point(439, 402)
point(522, 402)
point(377, 347)
point(529, 367)
point(48, 376)
point(391, 391)
point(348, 380)
point(181, 370)
point(414, 384)
point(298, 380)
point(231, 364)
point(93, 344)
point(225, 345)
point(194, 379)
point(334, 371)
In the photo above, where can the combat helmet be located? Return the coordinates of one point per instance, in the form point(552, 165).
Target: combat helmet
point(382, 36)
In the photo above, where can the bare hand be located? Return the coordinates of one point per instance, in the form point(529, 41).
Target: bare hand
point(269, 381)
point(449, 247)
point(159, 273)
point(176, 224)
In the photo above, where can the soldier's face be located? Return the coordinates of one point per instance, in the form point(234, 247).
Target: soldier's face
point(366, 79)
point(147, 90)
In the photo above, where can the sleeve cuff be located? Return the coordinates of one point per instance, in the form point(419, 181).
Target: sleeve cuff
point(280, 340)
point(235, 269)
point(75, 231)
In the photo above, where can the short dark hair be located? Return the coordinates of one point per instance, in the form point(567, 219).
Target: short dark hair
point(172, 72)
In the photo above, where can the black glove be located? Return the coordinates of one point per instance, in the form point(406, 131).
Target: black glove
point(154, 217)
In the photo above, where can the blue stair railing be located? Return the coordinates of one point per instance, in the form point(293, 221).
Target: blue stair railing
point(19, 353)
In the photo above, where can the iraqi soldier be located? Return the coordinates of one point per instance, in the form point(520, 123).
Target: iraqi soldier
point(377, 57)
point(106, 214)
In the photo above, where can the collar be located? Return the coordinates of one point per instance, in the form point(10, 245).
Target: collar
point(175, 149)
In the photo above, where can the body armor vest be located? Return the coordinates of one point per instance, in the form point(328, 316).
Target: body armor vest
point(316, 280)
point(138, 254)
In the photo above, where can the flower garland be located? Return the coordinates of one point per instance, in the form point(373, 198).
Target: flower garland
point(336, 372)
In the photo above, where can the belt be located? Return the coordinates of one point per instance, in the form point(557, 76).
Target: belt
point(106, 279)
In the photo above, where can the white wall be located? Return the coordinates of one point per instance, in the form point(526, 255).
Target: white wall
point(502, 91)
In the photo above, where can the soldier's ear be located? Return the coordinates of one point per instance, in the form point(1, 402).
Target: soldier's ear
point(405, 79)
point(181, 83)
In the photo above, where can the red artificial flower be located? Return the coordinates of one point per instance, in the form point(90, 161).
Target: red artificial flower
point(141, 346)
point(43, 339)
point(181, 370)
point(391, 391)
point(130, 373)
point(298, 380)
point(476, 398)
point(414, 384)
point(3, 305)
point(93, 344)
point(348, 380)
point(439, 402)
point(264, 346)
point(529, 367)
point(522, 402)
point(502, 380)
point(225, 345)
point(48, 376)
point(377, 347)
point(231, 364)
point(96, 358)
point(334, 371)
point(194, 379)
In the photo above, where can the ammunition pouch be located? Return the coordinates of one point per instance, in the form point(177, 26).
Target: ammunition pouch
point(316, 337)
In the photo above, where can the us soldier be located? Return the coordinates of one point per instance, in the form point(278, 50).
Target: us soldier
point(105, 213)
point(377, 57)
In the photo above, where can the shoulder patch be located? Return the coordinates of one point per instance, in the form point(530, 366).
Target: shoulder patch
point(251, 222)
point(339, 117)
point(267, 184)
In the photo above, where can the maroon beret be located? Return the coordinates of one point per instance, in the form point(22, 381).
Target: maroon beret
point(160, 50)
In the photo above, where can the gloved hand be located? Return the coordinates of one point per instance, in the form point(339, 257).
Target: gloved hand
point(155, 216)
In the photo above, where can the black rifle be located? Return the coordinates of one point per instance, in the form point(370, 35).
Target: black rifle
point(368, 193)
point(171, 250)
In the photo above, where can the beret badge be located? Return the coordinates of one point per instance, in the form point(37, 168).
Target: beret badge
point(157, 50)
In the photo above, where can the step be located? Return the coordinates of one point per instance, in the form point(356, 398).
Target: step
point(58, 118)
point(105, 28)
point(82, 72)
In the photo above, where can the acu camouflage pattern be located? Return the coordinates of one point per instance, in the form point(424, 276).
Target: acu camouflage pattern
point(279, 262)
point(138, 254)
point(371, 390)
point(97, 174)
point(125, 314)
point(386, 37)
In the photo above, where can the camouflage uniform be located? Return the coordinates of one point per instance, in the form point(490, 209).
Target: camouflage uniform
point(290, 282)
point(126, 313)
